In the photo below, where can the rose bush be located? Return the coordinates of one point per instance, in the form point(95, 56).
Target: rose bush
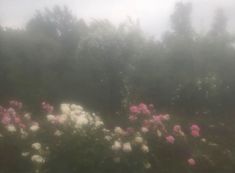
point(72, 139)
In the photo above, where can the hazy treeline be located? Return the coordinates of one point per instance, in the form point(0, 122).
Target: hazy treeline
point(58, 57)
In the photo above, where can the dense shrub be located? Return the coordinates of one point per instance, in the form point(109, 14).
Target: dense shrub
point(74, 140)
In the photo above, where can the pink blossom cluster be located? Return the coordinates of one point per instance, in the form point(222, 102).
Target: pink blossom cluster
point(47, 107)
point(144, 119)
point(195, 130)
point(13, 119)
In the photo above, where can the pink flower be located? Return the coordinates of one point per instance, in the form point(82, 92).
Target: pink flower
point(142, 106)
point(157, 118)
point(195, 133)
point(17, 120)
point(191, 162)
point(134, 109)
point(6, 119)
point(177, 128)
point(47, 107)
point(144, 109)
point(170, 139)
point(195, 127)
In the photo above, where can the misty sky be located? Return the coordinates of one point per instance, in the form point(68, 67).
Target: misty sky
point(152, 14)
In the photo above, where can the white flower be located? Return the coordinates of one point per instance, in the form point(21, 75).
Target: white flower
point(145, 148)
point(166, 117)
point(203, 140)
point(81, 120)
point(159, 133)
point(116, 146)
point(99, 123)
point(51, 118)
point(106, 130)
point(65, 108)
point(127, 147)
point(37, 159)
point(34, 127)
point(138, 139)
point(58, 133)
point(24, 154)
point(36, 146)
point(27, 116)
point(144, 129)
point(11, 128)
point(119, 130)
point(76, 107)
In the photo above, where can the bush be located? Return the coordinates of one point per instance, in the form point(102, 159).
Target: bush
point(74, 140)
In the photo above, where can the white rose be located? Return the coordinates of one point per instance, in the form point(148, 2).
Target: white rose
point(37, 159)
point(34, 128)
point(127, 147)
point(65, 108)
point(27, 116)
point(116, 146)
point(81, 120)
point(144, 129)
point(138, 139)
point(58, 133)
point(76, 107)
point(145, 148)
point(36, 146)
point(11, 128)
point(118, 130)
point(99, 123)
point(51, 118)
point(24, 154)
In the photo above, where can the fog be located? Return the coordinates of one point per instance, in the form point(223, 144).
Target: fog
point(152, 14)
point(117, 86)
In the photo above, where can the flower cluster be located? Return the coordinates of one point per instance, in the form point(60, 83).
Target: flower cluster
point(15, 121)
point(74, 117)
point(145, 122)
point(72, 128)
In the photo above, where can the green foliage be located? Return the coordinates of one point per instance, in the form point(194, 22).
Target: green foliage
point(59, 57)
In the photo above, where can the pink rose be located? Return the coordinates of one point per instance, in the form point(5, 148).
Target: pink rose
point(6, 119)
point(134, 110)
point(17, 120)
point(195, 133)
point(195, 127)
point(191, 162)
point(170, 139)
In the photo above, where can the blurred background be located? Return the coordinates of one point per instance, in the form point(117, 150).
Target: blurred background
point(107, 55)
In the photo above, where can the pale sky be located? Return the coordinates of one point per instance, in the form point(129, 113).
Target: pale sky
point(152, 14)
